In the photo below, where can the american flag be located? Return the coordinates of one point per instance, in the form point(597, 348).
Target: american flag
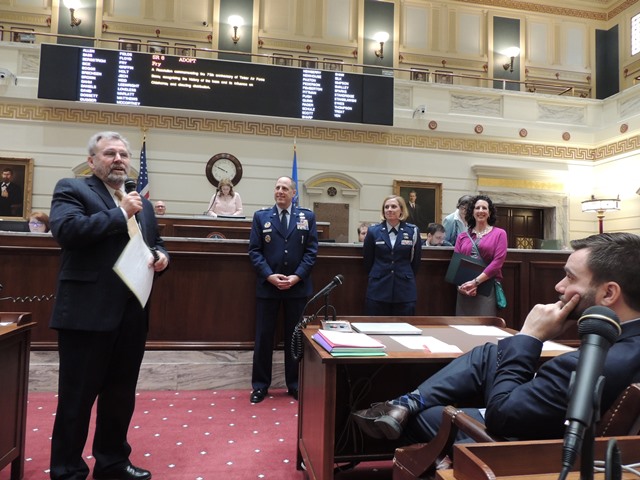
point(143, 177)
point(294, 175)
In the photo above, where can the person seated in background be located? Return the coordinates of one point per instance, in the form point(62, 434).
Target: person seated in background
point(524, 399)
point(160, 208)
point(225, 201)
point(39, 222)
point(435, 236)
point(363, 228)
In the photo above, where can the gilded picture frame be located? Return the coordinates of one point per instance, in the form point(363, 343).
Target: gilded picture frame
point(21, 174)
point(429, 201)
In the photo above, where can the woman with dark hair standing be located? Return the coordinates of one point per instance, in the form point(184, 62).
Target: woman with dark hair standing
point(484, 240)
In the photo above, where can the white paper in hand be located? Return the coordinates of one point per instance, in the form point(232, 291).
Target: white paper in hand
point(134, 270)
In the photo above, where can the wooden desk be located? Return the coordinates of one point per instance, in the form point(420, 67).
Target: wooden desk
point(203, 226)
point(15, 340)
point(530, 460)
point(332, 387)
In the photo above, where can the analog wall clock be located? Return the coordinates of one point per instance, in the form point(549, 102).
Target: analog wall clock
point(223, 165)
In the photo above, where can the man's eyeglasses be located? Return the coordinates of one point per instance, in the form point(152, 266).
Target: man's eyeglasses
point(36, 224)
point(111, 154)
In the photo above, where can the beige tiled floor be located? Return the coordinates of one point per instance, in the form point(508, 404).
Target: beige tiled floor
point(172, 370)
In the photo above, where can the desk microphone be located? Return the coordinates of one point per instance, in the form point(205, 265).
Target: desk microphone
point(599, 327)
point(337, 280)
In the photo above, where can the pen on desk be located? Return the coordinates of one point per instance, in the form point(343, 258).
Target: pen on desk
point(427, 349)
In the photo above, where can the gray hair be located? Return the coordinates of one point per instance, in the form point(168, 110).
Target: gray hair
point(93, 141)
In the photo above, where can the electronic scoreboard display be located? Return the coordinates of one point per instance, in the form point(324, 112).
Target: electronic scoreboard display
point(155, 80)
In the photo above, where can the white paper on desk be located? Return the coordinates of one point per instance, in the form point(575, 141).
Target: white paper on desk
point(483, 330)
point(134, 270)
point(419, 342)
point(549, 345)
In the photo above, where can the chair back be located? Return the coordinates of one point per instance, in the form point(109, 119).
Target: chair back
point(623, 418)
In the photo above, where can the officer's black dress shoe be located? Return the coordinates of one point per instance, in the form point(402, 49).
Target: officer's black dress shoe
point(126, 472)
point(293, 392)
point(382, 420)
point(258, 395)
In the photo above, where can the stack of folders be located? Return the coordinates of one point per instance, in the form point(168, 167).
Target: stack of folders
point(349, 344)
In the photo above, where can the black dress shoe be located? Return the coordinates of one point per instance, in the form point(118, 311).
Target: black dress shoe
point(293, 392)
point(258, 395)
point(127, 472)
point(382, 420)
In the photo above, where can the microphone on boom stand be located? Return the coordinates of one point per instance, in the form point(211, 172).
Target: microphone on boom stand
point(296, 344)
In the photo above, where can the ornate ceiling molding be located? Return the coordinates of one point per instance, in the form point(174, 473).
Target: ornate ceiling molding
point(27, 112)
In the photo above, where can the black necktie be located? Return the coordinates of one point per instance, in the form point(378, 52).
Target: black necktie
point(283, 219)
point(394, 231)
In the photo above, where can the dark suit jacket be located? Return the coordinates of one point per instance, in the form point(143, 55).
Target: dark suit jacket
point(415, 214)
point(522, 406)
point(392, 270)
point(92, 232)
point(292, 252)
point(11, 206)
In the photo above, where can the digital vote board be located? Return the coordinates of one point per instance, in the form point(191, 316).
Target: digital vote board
point(156, 80)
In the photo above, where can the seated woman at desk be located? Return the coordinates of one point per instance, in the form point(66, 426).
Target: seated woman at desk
point(225, 201)
point(39, 222)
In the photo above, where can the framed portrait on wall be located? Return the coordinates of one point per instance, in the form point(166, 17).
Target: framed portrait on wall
point(333, 64)
point(418, 75)
point(16, 187)
point(427, 200)
point(443, 76)
point(282, 59)
point(158, 47)
point(308, 62)
point(23, 35)
point(185, 50)
point(129, 44)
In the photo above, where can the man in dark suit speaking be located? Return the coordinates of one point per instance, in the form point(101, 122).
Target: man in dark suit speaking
point(102, 327)
point(282, 247)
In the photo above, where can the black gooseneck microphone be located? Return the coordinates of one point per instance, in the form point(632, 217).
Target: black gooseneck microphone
point(296, 341)
point(598, 328)
point(337, 280)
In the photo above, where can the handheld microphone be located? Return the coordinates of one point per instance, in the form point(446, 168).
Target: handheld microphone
point(130, 186)
point(599, 327)
point(337, 280)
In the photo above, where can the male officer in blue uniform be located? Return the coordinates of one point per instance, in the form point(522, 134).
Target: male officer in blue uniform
point(282, 247)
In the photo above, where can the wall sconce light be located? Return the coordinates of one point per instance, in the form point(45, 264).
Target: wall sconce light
point(512, 53)
point(600, 206)
point(236, 22)
point(380, 37)
point(73, 5)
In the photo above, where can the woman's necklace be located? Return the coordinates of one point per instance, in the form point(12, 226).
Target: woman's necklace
point(481, 234)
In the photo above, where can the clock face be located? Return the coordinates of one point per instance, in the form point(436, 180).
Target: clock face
point(223, 165)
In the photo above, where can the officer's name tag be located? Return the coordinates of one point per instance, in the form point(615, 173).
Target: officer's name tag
point(379, 242)
point(267, 230)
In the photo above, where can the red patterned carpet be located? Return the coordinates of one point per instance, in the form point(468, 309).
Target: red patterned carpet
point(196, 435)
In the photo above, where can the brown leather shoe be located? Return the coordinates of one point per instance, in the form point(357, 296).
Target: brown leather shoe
point(382, 420)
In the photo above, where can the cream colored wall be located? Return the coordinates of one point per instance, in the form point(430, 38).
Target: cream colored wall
point(593, 161)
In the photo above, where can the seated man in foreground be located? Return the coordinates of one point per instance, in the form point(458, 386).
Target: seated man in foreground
point(523, 401)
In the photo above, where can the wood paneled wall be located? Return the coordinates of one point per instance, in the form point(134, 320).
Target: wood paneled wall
point(206, 300)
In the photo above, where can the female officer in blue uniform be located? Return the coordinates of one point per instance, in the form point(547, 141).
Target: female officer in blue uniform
point(391, 254)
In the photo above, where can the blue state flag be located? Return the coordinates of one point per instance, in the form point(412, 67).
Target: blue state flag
point(143, 178)
point(294, 176)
